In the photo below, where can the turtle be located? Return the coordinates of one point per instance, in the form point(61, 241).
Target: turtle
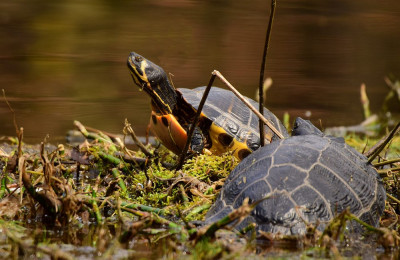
point(306, 178)
point(225, 124)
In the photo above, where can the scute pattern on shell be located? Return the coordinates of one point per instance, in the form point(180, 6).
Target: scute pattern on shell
point(228, 112)
point(305, 177)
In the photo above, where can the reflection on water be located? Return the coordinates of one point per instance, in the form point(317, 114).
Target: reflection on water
point(65, 61)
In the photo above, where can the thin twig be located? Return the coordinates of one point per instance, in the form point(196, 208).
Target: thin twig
point(95, 208)
point(386, 171)
point(374, 151)
point(218, 74)
point(127, 152)
point(394, 86)
point(378, 144)
point(12, 111)
point(114, 160)
point(87, 134)
point(20, 134)
point(182, 156)
point(20, 160)
point(97, 131)
point(386, 162)
point(47, 167)
point(3, 186)
point(247, 103)
point(18, 131)
point(365, 101)
point(139, 160)
point(393, 198)
point(129, 130)
point(117, 176)
point(260, 86)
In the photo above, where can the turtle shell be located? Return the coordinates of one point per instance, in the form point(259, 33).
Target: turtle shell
point(234, 126)
point(305, 179)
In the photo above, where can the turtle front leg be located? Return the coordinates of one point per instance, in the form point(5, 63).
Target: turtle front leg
point(197, 141)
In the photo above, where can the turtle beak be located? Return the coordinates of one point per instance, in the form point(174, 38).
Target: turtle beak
point(152, 79)
point(139, 68)
point(136, 67)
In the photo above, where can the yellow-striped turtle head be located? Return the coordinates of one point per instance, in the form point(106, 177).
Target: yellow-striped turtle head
point(153, 79)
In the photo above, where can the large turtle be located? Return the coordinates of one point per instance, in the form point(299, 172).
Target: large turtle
point(226, 124)
point(308, 177)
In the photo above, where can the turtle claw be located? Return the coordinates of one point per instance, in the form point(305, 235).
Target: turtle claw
point(197, 142)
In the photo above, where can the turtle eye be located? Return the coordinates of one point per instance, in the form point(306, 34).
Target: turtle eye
point(138, 59)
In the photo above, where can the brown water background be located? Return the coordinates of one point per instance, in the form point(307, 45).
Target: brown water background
point(66, 60)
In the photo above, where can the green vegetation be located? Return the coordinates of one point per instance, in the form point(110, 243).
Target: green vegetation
point(124, 203)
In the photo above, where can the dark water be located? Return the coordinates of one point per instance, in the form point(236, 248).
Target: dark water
point(66, 60)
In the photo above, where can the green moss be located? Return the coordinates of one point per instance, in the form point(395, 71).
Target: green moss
point(159, 204)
